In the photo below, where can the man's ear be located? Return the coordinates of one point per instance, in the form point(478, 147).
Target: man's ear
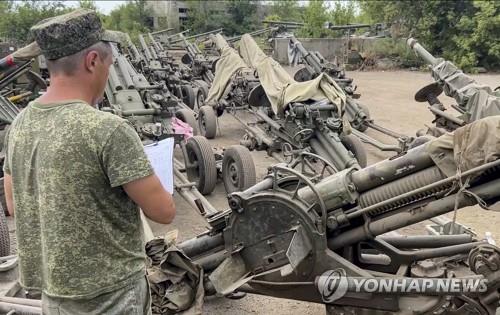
point(91, 60)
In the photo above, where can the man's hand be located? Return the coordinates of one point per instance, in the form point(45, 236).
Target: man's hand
point(7, 186)
point(157, 204)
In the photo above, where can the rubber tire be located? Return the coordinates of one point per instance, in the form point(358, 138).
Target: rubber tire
point(203, 88)
point(187, 116)
point(188, 96)
point(353, 144)
point(205, 176)
point(241, 157)
point(207, 122)
point(4, 234)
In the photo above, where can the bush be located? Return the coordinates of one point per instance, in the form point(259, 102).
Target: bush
point(395, 49)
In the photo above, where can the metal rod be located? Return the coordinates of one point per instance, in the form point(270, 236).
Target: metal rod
point(7, 307)
point(447, 116)
point(425, 241)
point(201, 244)
point(384, 130)
point(21, 301)
point(379, 145)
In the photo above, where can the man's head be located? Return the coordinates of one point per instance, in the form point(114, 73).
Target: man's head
point(77, 48)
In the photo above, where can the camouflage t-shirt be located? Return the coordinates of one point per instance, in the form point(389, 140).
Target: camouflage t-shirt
point(78, 233)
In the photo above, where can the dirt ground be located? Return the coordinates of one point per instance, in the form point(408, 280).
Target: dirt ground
point(389, 96)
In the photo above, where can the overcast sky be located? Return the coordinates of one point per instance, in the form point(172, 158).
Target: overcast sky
point(103, 6)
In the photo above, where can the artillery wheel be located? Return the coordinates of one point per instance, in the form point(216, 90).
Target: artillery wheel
point(302, 75)
point(202, 92)
point(4, 234)
point(204, 172)
point(238, 169)
point(353, 144)
point(207, 122)
point(188, 96)
point(430, 89)
point(187, 116)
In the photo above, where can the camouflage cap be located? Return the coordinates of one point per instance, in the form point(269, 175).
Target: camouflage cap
point(70, 33)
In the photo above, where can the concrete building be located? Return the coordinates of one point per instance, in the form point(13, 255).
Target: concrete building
point(175, 14)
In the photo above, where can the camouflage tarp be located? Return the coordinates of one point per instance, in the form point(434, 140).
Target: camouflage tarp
point(281, 88)
point(477, 100)
point(27, 52)
point(227, 65)
point(467, 147)
point(176, 282)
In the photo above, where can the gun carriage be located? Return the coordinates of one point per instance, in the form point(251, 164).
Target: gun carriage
point(311, 123)
point(296, 236)
point(358, 114)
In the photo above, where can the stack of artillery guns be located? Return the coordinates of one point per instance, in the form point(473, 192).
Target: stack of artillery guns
point(320, 208)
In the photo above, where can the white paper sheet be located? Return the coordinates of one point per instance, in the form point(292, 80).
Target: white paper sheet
point(160, 155)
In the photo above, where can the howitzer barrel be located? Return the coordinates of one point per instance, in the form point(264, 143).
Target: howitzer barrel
point(310, 59)
point(422, 52)
point(7, 62)
point(178, 34)
point(287, 23)
point(122, 65)
point(254, 33)
point(161, 31)
point(330, 26)
point(196, 36)
point(145, 48)
point(155, 44)
point(114, 80)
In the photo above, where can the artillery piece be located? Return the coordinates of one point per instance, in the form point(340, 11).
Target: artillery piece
point(310, 121)
point(303, 237)
point(474, 101)
point(160, 67)
point(358, 114)
point(152, 112)
point(200, 65)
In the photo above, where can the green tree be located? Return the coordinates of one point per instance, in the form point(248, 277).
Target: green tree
point(132, 17)
point(463, 31)
point(18, 18)
point(88, 4)
point(285, 10)
point(478, 38)
point(204, 16)
point(236, 16)
point(343, 12)
point(315, 16)
point(242, 17)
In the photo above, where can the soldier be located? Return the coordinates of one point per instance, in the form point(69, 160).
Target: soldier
point(75, 177)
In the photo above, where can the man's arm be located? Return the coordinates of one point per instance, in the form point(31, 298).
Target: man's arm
point(157, 204)
point(7, 186)
point(126, 165)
